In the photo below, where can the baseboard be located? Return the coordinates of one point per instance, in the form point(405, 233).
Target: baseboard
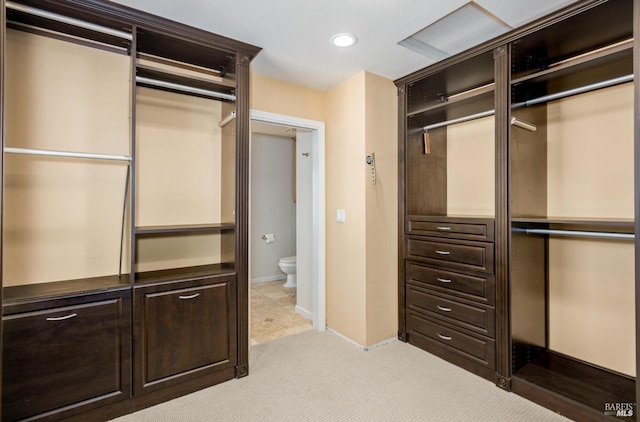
point(380, 343)
point(308, 315)
point(268, 278)
point(359, 346)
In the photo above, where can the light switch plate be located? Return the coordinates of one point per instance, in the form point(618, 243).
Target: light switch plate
point(340, 216)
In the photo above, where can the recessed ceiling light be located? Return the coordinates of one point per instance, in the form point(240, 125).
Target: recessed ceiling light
point(344, 40)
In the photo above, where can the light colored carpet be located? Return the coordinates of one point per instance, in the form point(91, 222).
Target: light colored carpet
point(317, 376)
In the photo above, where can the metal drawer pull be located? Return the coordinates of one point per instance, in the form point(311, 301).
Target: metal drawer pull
point(442, 308)
point(443, 280)
point(61, 318)
point(444, 337)
point(189, 297)
point(442, 252)
point(443, 228)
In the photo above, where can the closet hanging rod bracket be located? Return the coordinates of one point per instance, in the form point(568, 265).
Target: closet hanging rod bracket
point(184, 88)
point(577, 233)
point(523, 125)
point(66, 154)
point(228, 118)
point(65, 19)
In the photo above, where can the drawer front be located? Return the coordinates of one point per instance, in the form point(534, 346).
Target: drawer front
point(470, 317)
point(480, 288)
point(476, 230)
point(477, 349)
point(474, 256)
point(59, 358)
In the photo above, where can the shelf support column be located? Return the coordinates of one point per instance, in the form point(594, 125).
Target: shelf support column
point(242, 210)
point(502, 72)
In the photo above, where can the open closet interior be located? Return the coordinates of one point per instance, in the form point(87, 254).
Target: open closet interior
point(572, 209)
point(124, 210)
point(522, 150)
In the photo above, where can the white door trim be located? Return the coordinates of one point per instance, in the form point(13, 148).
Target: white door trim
point(318, 218)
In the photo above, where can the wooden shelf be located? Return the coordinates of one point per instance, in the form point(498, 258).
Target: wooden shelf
point(466, 96)
point(184, 228)
point(17, 294)
point(579, 382)
point(183, 79)
point(615, 225)
point(178, 274)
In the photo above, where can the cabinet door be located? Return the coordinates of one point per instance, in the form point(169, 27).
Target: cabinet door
point(67, 359)
point(184, 333)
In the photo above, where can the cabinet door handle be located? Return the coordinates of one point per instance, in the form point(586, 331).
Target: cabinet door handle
point(443, 280)
point(189, 297)
point(62, 318)
point(444, 337)
point(443, 228)
point(443, 309)
point(442, 252)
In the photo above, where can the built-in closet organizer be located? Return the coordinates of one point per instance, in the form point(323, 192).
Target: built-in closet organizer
point(124, 210)
point(572, 213)
point(563, 280)
point(447, 266)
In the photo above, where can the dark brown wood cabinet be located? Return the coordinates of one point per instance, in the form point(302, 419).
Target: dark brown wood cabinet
point(184, 330)
point(521, 265)
point(125, 217)
point(78, 348)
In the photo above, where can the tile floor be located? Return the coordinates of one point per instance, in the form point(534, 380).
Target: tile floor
point(273, 312)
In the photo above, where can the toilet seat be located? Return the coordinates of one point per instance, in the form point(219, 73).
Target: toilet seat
point(288, 260)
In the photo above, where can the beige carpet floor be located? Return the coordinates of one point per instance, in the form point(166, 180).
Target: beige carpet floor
point(318, 376)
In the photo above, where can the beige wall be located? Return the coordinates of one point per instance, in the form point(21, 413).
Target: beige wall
point(345, 187)
point(381, 134)
point(361, 269)
point(274, 96)
point(63, 216)
point(471, 168)
point(590, 174)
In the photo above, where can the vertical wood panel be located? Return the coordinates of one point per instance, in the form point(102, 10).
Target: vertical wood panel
point(242, 210)
point(502, 69)
point(402, 195)
point(3, 27)
point(636, 138)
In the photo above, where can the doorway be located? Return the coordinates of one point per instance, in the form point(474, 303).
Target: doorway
point(309, 195)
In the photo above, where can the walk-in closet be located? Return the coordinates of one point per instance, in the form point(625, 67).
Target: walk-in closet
point(542, 298)
point(124, 210)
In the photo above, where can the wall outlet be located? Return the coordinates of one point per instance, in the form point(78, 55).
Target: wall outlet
point(340, 216)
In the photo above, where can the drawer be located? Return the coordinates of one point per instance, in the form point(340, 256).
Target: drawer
point(479, 288)
point(427, 332)
point(473, 256)
point(476, 318)
point(480, 230)
point(66, 360)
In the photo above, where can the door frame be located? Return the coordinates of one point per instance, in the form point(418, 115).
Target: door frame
point(318, 194)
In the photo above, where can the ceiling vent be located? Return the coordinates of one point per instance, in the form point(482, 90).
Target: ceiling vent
point(463, 28)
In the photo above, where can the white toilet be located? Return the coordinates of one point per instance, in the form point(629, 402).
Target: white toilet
point(288, 266)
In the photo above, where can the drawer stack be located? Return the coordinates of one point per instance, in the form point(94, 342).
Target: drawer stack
point(450, 290)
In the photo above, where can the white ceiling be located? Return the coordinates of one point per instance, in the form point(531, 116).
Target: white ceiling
point(294, 34)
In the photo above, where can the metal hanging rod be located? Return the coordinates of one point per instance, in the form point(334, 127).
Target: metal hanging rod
point(184, 88)
point(227, 119)
point(71, 21)
point(514, 121)
point(459, 120)
point(580, 90)
point(577, 233)
point(66, 154)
